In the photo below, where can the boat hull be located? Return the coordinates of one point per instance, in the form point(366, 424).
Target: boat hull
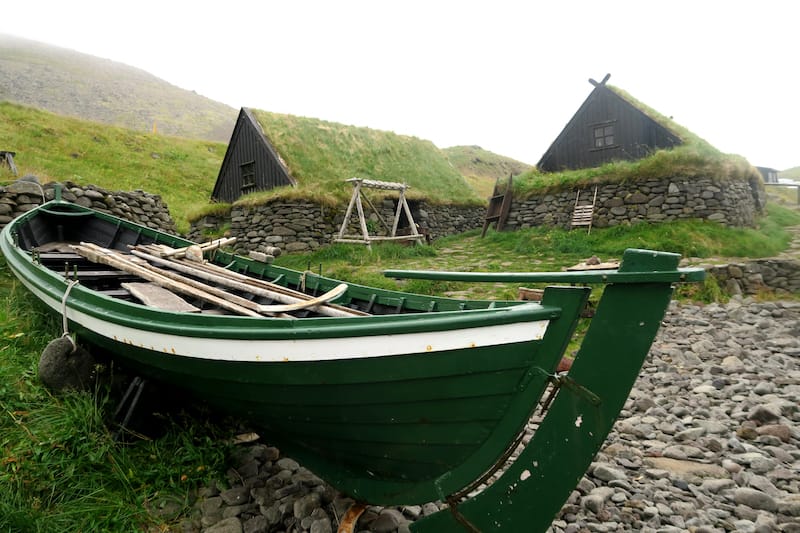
point(404, 408)
point(411, 398)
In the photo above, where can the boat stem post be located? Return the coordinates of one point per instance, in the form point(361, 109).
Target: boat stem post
point(581, 416)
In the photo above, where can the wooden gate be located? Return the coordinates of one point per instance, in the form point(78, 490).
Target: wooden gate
point(499, 205)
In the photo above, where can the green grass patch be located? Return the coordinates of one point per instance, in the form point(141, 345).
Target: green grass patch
point(58, 148)
point(60, 467)
point(321, 155)
point(482, 168)
point(544, 249)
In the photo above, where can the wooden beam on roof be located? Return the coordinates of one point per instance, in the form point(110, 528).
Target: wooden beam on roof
point(603, 82)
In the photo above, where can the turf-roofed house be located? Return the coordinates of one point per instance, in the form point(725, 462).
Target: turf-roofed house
point(291, 174)
point(618, 161)
point(269, 150)
point(609, 126)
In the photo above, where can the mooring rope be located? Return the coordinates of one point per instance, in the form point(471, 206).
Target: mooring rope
point(64, 322)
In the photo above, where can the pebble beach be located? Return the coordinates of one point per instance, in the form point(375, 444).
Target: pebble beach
point(708, 441)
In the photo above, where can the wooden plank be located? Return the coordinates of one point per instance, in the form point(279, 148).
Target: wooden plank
point(526, 293)
point(156, 296)
point(98, 254)
point(55, 257)
point(222, 277)
point(259, 287)
point(100, 274)
point(610, 265)
point(377, 184)
point(204, 247)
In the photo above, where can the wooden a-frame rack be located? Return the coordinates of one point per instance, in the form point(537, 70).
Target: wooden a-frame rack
point(355, 200)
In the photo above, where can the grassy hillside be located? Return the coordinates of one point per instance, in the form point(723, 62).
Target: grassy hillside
point(321, 155)
point(790, 173)
point(70, 83)
point(481, 168)
point(57, 148)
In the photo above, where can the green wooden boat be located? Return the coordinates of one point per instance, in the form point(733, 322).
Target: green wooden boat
point(391, 397)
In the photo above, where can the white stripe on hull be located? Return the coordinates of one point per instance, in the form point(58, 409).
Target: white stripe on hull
point(283, 350)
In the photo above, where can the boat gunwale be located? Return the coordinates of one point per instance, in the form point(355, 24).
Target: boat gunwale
point(137, 315)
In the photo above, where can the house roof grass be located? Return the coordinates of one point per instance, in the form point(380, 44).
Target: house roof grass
point(322, 155)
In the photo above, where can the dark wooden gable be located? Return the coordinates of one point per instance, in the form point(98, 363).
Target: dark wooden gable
point(606, 127)
point(250, 164)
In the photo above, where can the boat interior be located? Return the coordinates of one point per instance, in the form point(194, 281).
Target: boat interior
point(139, 265)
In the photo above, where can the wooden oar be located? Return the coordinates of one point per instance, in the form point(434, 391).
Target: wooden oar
point(204, 247)
point(97, 254)
point(289, 303)
point(222, 276)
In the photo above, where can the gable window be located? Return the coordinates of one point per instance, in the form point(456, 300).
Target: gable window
point(603, 136)
point(248, 174)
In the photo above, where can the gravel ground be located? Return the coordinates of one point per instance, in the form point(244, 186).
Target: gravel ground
point(707, 442)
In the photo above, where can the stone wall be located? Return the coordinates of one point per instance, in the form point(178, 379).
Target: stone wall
point(731, 203)
point(302, 225)
point(138, 206)
point(779, 275)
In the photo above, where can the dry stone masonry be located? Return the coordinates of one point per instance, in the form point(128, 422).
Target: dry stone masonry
point(731, 203)
point(779, 275)
point(305, 226)
point(138, 206)
point(302, 226)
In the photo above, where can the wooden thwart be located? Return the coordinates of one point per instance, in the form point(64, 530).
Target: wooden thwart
point(156, 296)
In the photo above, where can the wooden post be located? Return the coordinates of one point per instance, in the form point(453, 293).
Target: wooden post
point(349, 211)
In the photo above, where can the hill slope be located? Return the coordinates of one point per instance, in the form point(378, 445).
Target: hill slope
point(58, 148)
point(321, 155)
point(482, 168)
point(790, 173)
point(79, 85)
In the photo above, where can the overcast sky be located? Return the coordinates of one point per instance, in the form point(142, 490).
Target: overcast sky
point(506, 76)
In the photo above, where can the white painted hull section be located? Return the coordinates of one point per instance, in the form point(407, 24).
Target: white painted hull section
point(303, 350)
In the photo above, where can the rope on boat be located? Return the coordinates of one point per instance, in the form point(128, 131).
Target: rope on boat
point(64, 323)
point(460, 518)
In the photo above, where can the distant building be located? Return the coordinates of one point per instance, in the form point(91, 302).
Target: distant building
point(250, 164)
point(607, 127)
point(770, 175)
